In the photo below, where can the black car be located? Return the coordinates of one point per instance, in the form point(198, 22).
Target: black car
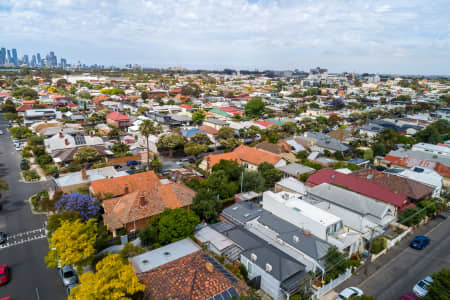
point(2, 237)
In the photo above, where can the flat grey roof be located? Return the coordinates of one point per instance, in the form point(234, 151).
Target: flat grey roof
point(161, 256)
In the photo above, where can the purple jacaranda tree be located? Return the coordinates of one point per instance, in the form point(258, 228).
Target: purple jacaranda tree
point(86, 206)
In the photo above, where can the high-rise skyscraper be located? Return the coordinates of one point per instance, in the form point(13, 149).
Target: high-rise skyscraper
point(63, 63)
point(33, 61)
point(38, 57)
point(25, 60)
point(9, 57)
point(2, 56)
point(14, 57)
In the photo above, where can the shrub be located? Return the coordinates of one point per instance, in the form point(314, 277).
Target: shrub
point(148, 235)
point(130, 250)
point(26, 153)
point(44, 159)
point(50, 169)
point(378, 245)
point(31, 175)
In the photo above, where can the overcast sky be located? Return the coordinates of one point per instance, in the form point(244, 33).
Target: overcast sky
point(396, 36)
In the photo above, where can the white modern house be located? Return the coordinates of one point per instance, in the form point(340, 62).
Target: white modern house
point(321, 223)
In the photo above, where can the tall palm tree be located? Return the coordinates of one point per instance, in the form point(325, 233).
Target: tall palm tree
point(146, 128)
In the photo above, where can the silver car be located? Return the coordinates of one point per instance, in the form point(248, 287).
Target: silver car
point(68, 275)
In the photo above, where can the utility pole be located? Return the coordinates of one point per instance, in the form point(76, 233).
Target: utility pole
point(242, 179)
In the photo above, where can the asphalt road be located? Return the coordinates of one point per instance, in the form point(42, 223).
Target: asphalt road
point(399, 277)
point(30, 279)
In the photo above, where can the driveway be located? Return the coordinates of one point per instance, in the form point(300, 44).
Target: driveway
point(30, 279)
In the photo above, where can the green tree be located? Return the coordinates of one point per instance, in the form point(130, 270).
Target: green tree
point(253, 131)
point(439, 289)
point(226, 133)
point(378, 149)
point(114, 280)
point(144, 95)
point(195, 149)
point(270, 174)
point(191, 89)
point(338, 155)
point(176, 225)
point(363, 297)
point(336, 263)
point(10, 116)
point(120, 149)
point(201, 138)
point(220, 183)
point(72, 244)
point(148, 235)
point(206, 205)
point(229, 144)
point(171, 141)
point(290, 127)
point(254, 108)
point(146, 129)
point(20, 132)
point(86, 154)
point(55, 220)
point(8, 107)
point(198, 116)
point(113, 133)
point(24, 92)
point(142, 110)
point(252, 181)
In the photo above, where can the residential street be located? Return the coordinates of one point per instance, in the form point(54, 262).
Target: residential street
point(30, 279)
point(397, 278)
point(396, 272)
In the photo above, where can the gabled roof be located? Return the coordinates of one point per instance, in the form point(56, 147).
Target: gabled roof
point(118, 117)
point(209, 129)
point(214, 159)
point(136, 189)
point(413, 189)
point(359, 185)
point(256, 156)
point(189, 278)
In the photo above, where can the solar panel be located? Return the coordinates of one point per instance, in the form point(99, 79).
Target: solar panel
point(220, 268)
point(79, 140)
point(228, 294)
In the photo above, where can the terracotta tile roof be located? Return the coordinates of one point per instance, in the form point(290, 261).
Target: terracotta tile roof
point(24, 107)
point(187, 278)
point(255, 156)
point(141, 196)
point(443, 170)
point(265, 123)
point(118, 117)
point(358, 185)
point(412, 189)
point(124, 159)
point(214, 159)
point(101, 98)
point(209, 129)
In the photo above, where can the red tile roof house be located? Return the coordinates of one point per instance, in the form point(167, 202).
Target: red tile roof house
point(118, 120)
point(361, 186)
point(250, 157)
point(134, 199)
point(182, 270)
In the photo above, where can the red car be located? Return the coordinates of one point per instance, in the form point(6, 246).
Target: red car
point(409, 296)
point(4, 274)
point(6, 298)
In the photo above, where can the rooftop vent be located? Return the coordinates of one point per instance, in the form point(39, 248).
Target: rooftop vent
point(166, 254)
point(268, 268)
point(295, 238)
point(253, 257)
point(145, 261)
point(306, 233)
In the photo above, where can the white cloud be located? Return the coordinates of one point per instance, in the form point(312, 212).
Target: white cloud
point(237, 33)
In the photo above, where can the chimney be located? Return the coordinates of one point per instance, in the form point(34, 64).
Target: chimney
point(126, 189)
point(91, 134)
point(142, 201)
point(66, 141)
point(209, 267)
point(83, 174)
point(61, 134)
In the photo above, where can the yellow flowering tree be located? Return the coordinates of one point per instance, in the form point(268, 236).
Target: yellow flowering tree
point(72, 244)
point(113, 280)
point(52, 89)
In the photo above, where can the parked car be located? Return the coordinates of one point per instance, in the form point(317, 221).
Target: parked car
point(131, 171)
point(409, 296)
point(420, 242)
point(421, 288)
point(4, 274)
point(24, 164)
point(3, 237)
point(15, 140)
point(18, 148)
point(349, 292)
point(1, 132)
point(132, 163)
point(68, 275)
point(6, 298)
point(70, 287)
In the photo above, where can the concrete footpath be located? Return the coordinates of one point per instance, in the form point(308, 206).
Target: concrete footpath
point(365, 272)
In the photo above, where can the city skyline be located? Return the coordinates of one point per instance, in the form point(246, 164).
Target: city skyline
point(10, 57)
point(404, 37)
